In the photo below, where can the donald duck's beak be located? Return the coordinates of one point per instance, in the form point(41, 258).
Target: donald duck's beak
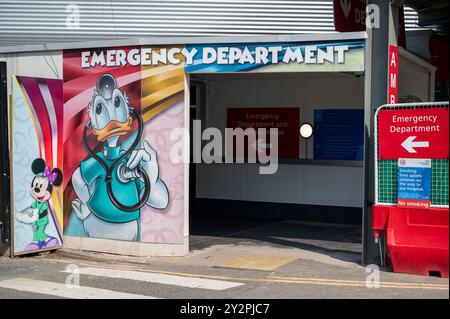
point(113, 128)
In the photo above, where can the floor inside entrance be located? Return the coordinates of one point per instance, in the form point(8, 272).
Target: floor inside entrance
point(261, 244)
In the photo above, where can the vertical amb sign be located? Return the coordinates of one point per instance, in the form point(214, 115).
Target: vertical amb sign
point(393, 75)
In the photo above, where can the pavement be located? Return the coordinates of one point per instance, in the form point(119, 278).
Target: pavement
point(255, 259)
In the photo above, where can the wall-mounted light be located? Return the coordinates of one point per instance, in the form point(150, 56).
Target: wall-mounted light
point(306, 130)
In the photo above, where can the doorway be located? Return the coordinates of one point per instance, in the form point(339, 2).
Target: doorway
point(314, 200)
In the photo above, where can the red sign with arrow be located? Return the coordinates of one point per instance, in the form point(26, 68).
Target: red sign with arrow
point(413, 133)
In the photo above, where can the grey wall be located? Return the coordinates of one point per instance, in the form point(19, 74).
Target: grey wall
point(415, 79)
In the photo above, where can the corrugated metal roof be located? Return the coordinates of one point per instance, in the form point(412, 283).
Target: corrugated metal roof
point(25, 22)
point(432, 13)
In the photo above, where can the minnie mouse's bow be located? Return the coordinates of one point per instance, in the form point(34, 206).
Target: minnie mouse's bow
point(48, 173)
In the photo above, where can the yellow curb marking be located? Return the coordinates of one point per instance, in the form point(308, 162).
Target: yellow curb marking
point(355, 281)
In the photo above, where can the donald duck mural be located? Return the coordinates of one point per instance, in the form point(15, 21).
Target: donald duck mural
point(113, 184)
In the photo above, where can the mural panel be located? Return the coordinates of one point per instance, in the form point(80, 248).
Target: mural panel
point(36, 142)
point(121, 182)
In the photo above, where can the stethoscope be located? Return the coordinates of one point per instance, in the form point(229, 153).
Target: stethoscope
point(109, 171)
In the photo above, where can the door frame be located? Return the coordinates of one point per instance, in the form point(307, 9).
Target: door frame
point(5, 204)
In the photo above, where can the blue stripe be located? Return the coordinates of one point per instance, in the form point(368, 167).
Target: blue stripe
point(199, 67)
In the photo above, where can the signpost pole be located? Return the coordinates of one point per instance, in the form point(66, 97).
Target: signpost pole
point(376, 92)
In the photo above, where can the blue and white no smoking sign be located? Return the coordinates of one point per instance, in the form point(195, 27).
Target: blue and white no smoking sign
point(414, 182)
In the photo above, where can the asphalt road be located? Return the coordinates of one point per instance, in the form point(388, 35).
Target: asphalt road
point(258, 260)
point(48, 276)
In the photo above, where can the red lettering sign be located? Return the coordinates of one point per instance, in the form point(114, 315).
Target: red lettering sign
point(413, 133)
point(285, 119)
point(393, 75)
point(413, 203)
point(349, 15)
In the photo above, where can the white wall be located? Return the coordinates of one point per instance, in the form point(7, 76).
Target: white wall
point(32, 64)
point(293, 183)
point(47, 64)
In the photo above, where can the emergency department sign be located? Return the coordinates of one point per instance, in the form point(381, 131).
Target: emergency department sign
point(413, 133)
point(338, 56)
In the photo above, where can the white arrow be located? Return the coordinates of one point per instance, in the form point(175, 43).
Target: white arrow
point(409, 144)
point(346, 6)
point(260, 146)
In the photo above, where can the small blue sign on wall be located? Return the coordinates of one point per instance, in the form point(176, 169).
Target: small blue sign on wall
point(414, 178)
point(339, 134)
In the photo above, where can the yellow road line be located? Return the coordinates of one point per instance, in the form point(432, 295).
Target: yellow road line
point(358, 284)
point(271, 279)
point(356, 281)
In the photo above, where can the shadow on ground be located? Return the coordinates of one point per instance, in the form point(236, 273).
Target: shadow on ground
point(337, 241)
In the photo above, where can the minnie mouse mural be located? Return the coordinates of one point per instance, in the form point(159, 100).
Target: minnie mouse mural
point(37, 213)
